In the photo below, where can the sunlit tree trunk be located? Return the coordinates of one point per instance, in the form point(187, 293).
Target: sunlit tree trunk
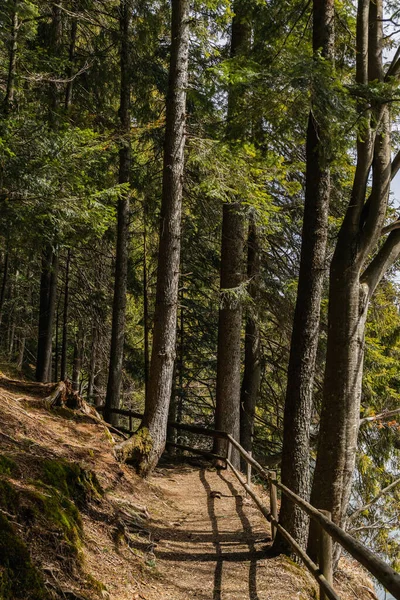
point(227, 411)
point(146, 446)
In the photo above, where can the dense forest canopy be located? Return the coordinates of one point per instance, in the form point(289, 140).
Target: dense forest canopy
point(196, 223)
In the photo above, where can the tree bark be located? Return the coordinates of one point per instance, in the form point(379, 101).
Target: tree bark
point(351, 290)
point(92, 366)
point(48, 294)
point(145, 312)
point(121, 266)
point(305, 333)
point(64, 343)
point(12, 65)
point(227, 410)
point(252, 365)
point(4, 280)
point(77, 361)
point(71, 58)
point(146, 446)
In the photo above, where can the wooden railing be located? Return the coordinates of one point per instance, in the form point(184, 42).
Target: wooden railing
point(329, 532)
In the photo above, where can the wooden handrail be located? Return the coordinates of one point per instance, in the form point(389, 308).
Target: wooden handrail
point(376, 566)
point(311, 566)
point(214, 433)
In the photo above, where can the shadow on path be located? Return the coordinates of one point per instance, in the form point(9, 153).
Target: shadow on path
point(249, 539)
point(216, 539)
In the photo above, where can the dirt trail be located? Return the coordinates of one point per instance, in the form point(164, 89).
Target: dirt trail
point(203, 539)
point(216, 549)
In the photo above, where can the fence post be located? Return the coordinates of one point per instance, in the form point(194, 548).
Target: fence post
point(325, 555)
point(273, 501)
point(248, 471)
point(229, 451)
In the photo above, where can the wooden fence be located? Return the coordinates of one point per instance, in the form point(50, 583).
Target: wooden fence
point(329, 532)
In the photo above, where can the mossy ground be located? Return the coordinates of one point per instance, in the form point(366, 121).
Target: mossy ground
point(48, 506)
point(19, 578)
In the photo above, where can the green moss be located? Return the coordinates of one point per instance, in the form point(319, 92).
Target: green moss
point(76, 483)
point(18, 576)
point(7, 466)
point(137, 449)
point(8, 496)
point(49, 506)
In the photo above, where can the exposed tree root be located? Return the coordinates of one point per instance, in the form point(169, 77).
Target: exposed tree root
point(137, 451)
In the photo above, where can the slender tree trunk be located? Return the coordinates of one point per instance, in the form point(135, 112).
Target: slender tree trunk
point(77, 362)
point(56, 349)
point(146, 447)
point(252, 366)
point(54, 45)
point(121, 265)
point(21, 353)
point(71, 58)
point(304, 343)
point(145, 313)
point(227, 411)
point(4, 280)
point(48, 293)
point(12, 65)
point(92, 366)
point(64, 343)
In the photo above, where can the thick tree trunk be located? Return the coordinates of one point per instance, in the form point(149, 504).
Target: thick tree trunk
point(147, 445)
point(227, 411)
point(121, 265)
point(64, 343)
point(12, 65)
point(305, 334)
point(350, 291)
point(252, 366)
point(48, 293)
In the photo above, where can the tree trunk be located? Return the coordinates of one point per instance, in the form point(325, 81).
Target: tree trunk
point(12, 65)
point(92, 366)
point(121, 266)
point(64, 343)
point(54, 44)
point(48, 293)
point(305, 334)
point(4, 280)
point(252, 366)
point(77, 361)
point(71, 58)
point(227, 410)
point(350, 290)
point(147, 445)
point(145, 311)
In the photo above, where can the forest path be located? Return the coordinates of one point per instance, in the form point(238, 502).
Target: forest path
point(213, 547)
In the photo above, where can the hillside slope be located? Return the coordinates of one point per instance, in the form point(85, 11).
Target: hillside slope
point(75, 524)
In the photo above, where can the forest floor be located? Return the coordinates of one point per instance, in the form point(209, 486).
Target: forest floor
point(91, 529)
